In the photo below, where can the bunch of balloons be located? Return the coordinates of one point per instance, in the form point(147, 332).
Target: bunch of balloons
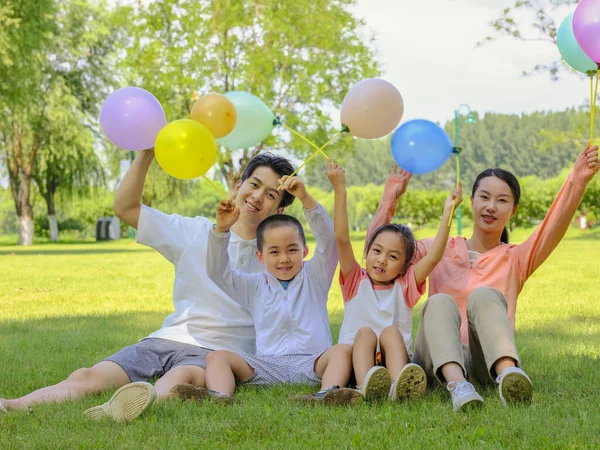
point(578, 37)
point(133, 119)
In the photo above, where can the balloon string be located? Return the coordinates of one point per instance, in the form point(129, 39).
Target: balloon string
point(457, 183)
point(314, 154)
point(215, 187)
point(593, 97)
point(304, 139)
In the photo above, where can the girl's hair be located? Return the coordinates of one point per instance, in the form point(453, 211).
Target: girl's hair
point(509, 179)
point(407, 236)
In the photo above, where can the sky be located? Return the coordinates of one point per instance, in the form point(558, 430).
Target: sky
point(427, 50)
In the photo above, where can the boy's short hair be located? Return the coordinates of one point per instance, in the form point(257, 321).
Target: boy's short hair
point(277, 221)
point(278, 164)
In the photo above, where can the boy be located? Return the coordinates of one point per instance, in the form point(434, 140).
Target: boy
point(205, 318)
point(288, 304)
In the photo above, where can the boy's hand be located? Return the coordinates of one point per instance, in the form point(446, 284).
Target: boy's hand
point(336, 174)
point(227, 215)
point(402, 177)
point(453, 199)
point(294, 186)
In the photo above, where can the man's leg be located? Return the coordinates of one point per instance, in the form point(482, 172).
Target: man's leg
point(101, 377)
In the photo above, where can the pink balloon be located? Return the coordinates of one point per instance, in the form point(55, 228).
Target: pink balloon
point(586, 27)
point(372, 109)
point(131, 118)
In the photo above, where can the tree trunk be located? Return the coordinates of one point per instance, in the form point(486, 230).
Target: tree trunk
point(53, 227)
point(26, 229)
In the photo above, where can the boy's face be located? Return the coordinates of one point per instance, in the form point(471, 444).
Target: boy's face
point(258, 198)
point(282, 252)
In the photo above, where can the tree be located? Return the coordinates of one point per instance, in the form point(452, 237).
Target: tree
point(299, 57)
point(543, 28)
point(52, 87)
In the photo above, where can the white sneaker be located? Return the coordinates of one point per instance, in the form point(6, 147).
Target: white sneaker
point(463, 393)
point(126, 404)
point(377, 384)
point(411, 383)
point(514, 386)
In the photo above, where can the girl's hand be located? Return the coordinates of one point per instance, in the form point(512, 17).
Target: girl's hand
point(402, 177)
point(227, 215)
point(454, 199)
point(336, 174)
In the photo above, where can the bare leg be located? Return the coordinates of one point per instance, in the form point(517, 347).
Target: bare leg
point(452, 372)
point(103, 376)
point(194, 375)
point(335, 366)
point(394, 350)
point(504, 363)
point(363, 353)
point(223, 368)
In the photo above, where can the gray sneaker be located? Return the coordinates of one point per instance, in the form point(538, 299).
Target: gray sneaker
point(332, 396)
point(463, 394)
point(377, 384)
point(190, 392)
point(410, 384)
point(514, 386)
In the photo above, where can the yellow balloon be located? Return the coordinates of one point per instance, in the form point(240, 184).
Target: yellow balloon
point(216, 112)
point(185, 149)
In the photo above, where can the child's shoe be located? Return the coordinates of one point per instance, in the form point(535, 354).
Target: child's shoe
point(411, 383)
point(333, 396)
point(463, 394)
point(514, 386)
point(126, 404)
point(377, 384)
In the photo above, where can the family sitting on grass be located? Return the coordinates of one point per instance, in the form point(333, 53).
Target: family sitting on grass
point(250, 310)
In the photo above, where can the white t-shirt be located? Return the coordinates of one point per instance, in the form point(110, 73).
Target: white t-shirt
point(204, 315)
point(377, 307)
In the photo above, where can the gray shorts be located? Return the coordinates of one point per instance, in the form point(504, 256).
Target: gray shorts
point(153, 357)
point(283, 369)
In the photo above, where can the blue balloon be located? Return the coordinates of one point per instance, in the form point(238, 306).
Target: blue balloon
point(420, 146)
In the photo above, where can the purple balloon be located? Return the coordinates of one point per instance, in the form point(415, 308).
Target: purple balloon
point(131, 118)
point(586, 27)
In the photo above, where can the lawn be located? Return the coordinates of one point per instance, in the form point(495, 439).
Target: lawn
point(65, 306)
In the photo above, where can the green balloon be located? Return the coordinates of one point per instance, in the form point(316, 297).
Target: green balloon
point(254, 121)
point(570, 50)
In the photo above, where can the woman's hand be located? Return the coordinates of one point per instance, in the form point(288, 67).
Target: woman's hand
point(588, 162)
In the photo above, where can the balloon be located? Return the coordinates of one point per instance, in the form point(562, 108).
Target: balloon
point(131, 118)
point(254, 121)
point(570, 49)
point(216, 112)
point(185, 149)
point(586, 27)
point(420, 146)
point(372, 108)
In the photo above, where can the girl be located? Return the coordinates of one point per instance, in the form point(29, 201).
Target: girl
point(378, 299)
point(467, 324)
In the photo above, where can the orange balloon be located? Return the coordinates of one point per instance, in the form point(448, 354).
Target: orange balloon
point(216, 112)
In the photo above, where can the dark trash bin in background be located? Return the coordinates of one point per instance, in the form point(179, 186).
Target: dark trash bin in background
point(108, 228)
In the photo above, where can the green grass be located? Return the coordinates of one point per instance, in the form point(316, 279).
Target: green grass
point(67, 306)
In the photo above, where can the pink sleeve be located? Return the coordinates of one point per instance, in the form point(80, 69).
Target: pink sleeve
point(423, 246)
point(387, 207)
point(350, 284)
point(411, 290)
point(534, 251)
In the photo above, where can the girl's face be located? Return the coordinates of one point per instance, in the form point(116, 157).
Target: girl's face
point(385, 258)
point(493, 205)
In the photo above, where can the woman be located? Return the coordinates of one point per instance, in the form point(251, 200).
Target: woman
point(467, 324)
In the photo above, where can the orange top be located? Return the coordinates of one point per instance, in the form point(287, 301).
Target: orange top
point(505, 267)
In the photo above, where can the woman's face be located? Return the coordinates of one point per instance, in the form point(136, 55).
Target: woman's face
point(493, 205)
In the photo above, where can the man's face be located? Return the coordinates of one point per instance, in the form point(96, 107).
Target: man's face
point(282, 252)
point(258, 198)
